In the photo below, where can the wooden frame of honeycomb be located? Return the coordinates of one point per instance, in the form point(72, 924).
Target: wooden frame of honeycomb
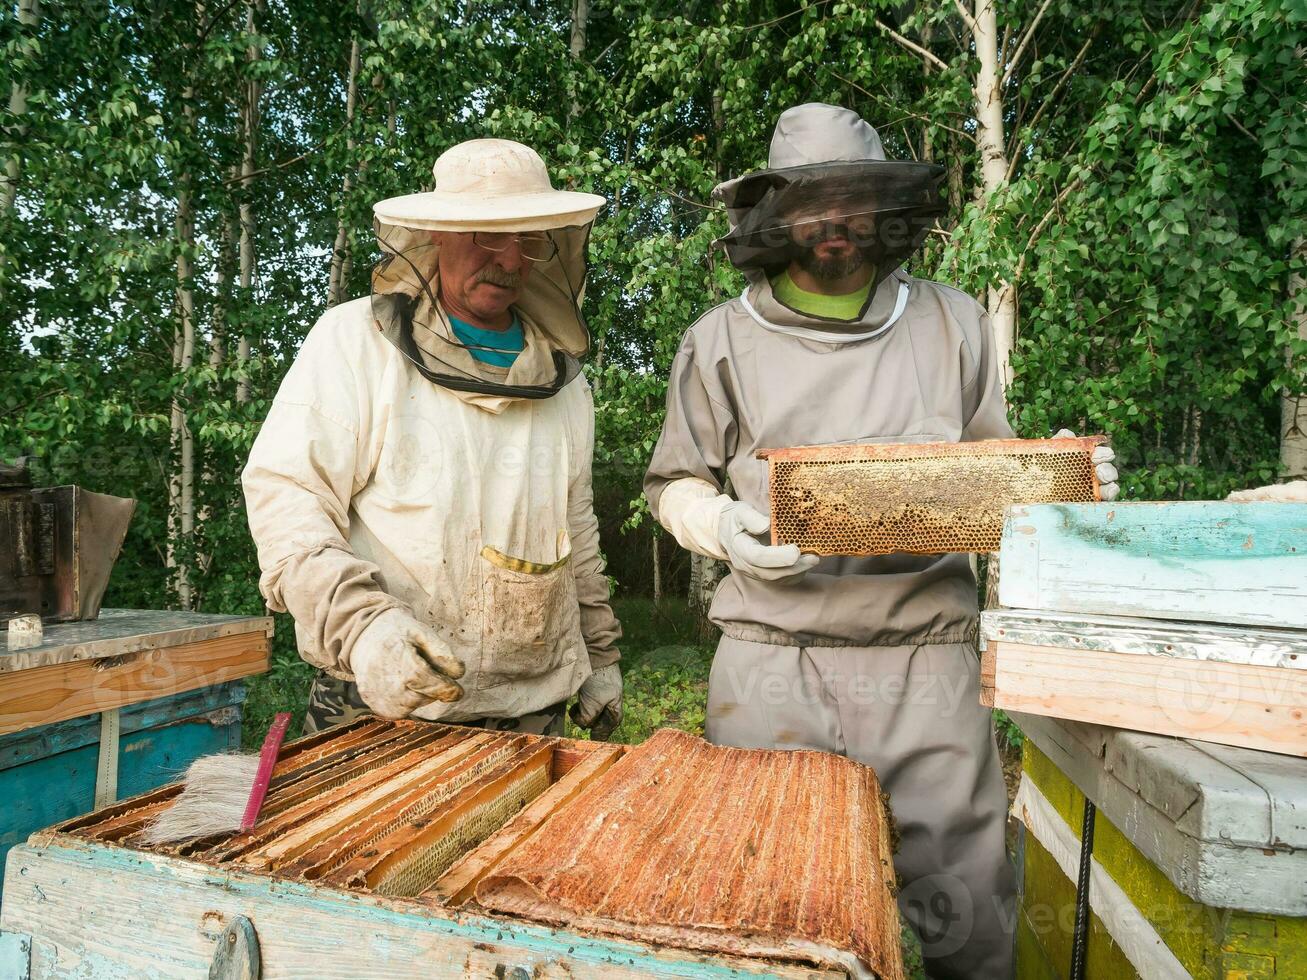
point(919, 498)
point(449, 826)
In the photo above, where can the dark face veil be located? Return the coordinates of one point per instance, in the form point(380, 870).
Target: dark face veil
point(885, 208)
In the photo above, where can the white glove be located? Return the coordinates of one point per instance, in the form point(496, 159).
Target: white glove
point(400, 665)
point(1102, 459)
point(771, 563)
point(599, 703)
point(1294, 492)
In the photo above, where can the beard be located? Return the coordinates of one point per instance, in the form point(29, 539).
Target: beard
point(833, 267)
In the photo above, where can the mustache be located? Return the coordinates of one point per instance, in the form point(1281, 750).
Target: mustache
point(499, 277)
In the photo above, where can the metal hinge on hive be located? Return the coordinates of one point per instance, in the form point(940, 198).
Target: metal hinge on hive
point(919, 498)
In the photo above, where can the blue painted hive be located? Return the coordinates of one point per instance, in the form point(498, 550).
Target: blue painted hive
point(112, 707)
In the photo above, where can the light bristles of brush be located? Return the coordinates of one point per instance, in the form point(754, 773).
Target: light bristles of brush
point(213, 800)
point(223, 793)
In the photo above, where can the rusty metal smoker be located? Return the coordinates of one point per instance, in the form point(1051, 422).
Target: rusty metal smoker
point(57, 547)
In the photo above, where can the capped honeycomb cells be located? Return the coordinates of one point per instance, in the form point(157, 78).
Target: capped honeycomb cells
point(919, 498)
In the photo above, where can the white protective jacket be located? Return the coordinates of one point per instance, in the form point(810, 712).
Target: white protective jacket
point(369, 487)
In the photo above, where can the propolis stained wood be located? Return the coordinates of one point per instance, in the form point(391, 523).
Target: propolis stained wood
point(781, 878)
point(383, 832)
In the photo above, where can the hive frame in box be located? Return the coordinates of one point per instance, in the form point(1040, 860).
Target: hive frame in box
point(882, 498)
point(69, 884)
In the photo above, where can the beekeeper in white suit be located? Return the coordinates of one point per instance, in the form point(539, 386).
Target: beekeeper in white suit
point(420, 493)
point(873, 658)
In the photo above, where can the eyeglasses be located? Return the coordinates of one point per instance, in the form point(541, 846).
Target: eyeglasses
point(534, 246)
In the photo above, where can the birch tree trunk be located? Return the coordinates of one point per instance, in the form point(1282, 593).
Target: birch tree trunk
point(340, 249)
point(576, 45)
point(181, 488)
point(28, 15)
point(1293, 404)
point(29, 12)
point(250, 124)
point(1002, 295)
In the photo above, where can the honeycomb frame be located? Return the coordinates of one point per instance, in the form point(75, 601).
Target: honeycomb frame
point(919, 498)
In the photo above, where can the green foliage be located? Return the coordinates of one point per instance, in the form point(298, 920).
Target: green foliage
point(664, 667)
point(1009, 732)
point(1156, 199)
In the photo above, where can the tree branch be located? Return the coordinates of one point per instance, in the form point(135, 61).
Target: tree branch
point(966, 16)
point(632, 175)
point(1053, 96)
point(907, 113)
point(1066, 192)
point(1242, 128)
point(1025, 40)
point(213, 21)
point(912, 46)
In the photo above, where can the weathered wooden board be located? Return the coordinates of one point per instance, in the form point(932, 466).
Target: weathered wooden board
point(1226, 826)
point(1206, 561)
point(48, 774)
point(120, 632)
point(457, 884)
point(1255, 707)
point(1145, 953)
point(1148, 637)
point(92, 910)
point(57, 692)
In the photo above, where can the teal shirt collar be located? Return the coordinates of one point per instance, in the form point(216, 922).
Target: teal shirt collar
point(497, 348)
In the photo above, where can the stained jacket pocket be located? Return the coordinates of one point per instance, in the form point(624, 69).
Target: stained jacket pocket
point(530, 619)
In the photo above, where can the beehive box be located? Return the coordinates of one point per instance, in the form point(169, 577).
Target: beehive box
point(48, 774)
point(117, 705)
point(1201, 560)
point(1236, 685)
point(918, 498)
point(1199, 857)
point(412, 849)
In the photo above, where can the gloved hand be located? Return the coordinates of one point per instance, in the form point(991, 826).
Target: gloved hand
point(1102, 459)
point(599, 703)
point(771, 563)
point(1294, 492)
point(400, 665)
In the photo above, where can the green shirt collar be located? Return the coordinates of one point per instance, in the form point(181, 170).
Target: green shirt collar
point(847, 307)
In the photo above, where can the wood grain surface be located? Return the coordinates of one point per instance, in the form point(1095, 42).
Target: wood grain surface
point(1205, 561)
point(60, 691)
point(1256, 707)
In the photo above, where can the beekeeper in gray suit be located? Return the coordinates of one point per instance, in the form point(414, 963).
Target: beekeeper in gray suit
point(872, 658)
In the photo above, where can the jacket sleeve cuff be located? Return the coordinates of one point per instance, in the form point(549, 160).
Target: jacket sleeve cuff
point(604, 657)
point(690, 509)
point(333, 597)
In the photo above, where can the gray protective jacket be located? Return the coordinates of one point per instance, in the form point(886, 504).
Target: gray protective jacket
point(738, 386)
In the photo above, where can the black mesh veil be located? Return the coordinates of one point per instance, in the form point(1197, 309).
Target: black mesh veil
point(886, 207)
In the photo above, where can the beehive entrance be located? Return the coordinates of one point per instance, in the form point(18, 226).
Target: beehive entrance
point(925, 498)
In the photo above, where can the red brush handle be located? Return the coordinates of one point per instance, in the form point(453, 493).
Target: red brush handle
point(267, 761)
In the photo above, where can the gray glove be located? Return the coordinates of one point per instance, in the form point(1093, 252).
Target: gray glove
point(599, 703)
point(771, 563)
point(401, 665)
point(1102, 459)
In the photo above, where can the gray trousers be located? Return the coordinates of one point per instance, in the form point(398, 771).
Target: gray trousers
point(913, 715)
